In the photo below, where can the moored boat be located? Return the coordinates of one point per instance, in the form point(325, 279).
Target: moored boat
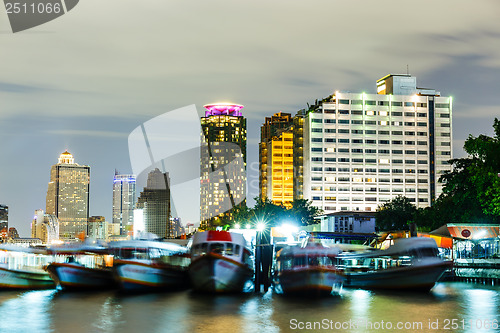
point(411, 263)
point(82, 268)
point(145, 265)
point(221, 261)
point(309, 270)
point(22, 268)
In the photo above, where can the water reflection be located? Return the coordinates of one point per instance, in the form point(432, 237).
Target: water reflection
point(186, 311)
point(26, 311)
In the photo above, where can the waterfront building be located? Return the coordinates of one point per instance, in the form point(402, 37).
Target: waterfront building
point(124, 202)
point(24, 241)
point(68, 196)
point(154, 201)
point(45, 227)
point(113, 232)
point(298, 155)
point(348, 222)
point(4, 216)
point(13, 233)
point(223, 163)
point(176, 228)
point(270, 129)
point(98, 227)
point(362, 150)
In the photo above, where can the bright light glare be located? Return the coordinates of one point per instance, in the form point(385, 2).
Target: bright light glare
point(248, 226)
point(261, 226)
point(287, 228)
point(237, 225)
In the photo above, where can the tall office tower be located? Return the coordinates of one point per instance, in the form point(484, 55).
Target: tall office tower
point(68, 196)
point(270, 129)
point(298, 155)
point(362, 150)
point(223, 163)
point(45, 227)
point(124, 202)
point(155, 204)
point(4, 217)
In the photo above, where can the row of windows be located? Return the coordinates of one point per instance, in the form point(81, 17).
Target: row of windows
point(371, 189)
point(375, 113)
point(374, 142)
point(369, 122)
point(368, 180)
point(372, 170)
point(369, 151)
point(386, 103)
point(366, 161)
point(380, 132)
point(366, 199)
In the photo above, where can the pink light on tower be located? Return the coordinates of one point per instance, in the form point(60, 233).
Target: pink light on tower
point(223, 109)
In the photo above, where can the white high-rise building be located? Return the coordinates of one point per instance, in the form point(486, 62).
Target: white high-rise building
point(362, 150)
point(124, 202)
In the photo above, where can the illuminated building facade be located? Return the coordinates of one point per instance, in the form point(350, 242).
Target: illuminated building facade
point(45, 227)
point(98, 227)
point(223, 162)
point(154, 201)
point(124, 202)
point(68, 196)
point(280, 171)
point(4, 217)
point(362, 150)
point(269, 131)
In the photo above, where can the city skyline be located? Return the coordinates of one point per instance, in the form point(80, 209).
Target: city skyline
point(90, 104)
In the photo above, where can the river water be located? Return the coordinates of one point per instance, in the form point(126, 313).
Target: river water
point(474, 307)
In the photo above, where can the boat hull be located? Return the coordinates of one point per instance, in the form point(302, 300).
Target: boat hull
point(213, 273)
point(74, 276)
point(417, 277)
point(137, 276)
point(19, 279)
point(311, 281)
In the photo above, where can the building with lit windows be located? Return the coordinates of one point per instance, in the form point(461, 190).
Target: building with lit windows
point(222, 162)
point(45, 227)
point(98, 227)
point(154, 201)
point(4, 217)
point(68, 196)
point(270, 129)
point(280, 171)
point(362, 150)
point(124, 202)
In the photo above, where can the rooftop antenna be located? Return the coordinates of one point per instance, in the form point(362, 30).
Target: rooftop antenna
point(407, 69)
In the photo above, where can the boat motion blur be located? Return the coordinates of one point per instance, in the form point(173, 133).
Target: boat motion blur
point(309, 270)
point(411, 263)
point(81, 267)
point(22, 268)
point(144, 264)
point(221, 261)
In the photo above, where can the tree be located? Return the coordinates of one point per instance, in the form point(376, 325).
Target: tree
point(471, 192)
point(396, 214)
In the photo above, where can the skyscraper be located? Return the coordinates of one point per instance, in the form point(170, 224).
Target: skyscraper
point(68, 196)
point(4, 217)
point(124, 202)
point(270, 170)
point(362, 150)
point(223, 162)
point(155, 204)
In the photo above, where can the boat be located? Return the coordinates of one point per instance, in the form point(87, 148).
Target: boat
point(141, 265)
point(81, 267)
point(22, 268)
point(411, 264)
point(310, 270)
point(221, 261)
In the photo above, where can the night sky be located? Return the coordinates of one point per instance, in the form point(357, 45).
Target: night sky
point(84, 81)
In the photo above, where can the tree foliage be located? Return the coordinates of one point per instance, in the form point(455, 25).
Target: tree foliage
point(396, 214)
point(300, 213)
